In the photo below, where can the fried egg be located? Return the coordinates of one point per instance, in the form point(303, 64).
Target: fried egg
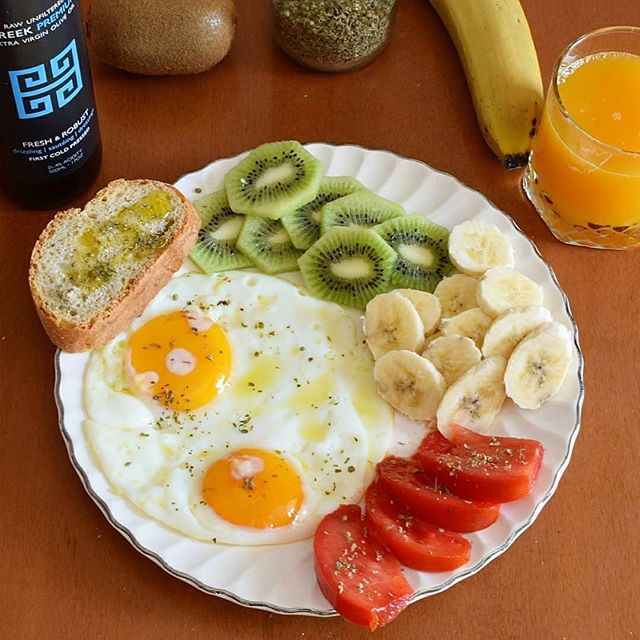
point(237, 409)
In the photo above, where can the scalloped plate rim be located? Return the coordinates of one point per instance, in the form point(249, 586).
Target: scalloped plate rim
point(420, 593)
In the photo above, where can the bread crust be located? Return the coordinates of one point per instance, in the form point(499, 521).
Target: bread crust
point(78, 337)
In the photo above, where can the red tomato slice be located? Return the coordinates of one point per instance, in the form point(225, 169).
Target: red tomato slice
point(413, 541)
point(481, 467)
point(431, 500)
point(359, 577)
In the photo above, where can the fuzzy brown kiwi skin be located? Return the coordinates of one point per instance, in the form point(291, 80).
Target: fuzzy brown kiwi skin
point(151, 37)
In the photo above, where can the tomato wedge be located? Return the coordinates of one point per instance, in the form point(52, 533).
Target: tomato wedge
point(481, 467)
point(429, 499)
point(359, 577)
point(416, 543)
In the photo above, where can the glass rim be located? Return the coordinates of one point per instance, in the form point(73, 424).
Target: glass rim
point(556, 92)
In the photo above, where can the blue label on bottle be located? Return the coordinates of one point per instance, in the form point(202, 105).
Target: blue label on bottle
point(41, 89)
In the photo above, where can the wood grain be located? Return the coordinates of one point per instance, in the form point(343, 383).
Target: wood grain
point(574, 575)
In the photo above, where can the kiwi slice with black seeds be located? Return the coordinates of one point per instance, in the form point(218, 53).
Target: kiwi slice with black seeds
point(303, 224)
point(215, 248)
point(348, 265)
point(268, 245)
point(273, 180)
point(360, 209)
point(422, 251)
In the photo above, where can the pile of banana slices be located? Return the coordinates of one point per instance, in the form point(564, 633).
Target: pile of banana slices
point(484, 334)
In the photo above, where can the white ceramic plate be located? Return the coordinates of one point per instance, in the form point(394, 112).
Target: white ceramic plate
point(281, 578)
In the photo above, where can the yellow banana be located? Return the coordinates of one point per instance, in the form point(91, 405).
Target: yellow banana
point(499, 58)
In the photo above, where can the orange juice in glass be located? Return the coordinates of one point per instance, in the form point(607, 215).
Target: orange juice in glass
point(583, 175)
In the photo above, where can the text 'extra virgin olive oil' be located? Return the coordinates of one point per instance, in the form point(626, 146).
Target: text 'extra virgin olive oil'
point(49, 137)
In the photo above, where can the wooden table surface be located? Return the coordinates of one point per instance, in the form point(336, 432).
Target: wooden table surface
point(65, 573)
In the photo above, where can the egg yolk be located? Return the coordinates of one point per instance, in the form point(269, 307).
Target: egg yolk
point(254, 488)
point(182, 360)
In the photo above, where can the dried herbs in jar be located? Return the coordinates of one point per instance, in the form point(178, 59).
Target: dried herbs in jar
point(333, 35)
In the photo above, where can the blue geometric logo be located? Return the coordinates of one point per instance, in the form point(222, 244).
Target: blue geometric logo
point(39, 90)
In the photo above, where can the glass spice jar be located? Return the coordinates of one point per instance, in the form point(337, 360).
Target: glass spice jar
point(333, 35)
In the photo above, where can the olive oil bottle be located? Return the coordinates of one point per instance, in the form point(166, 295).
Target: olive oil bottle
point(49, 137)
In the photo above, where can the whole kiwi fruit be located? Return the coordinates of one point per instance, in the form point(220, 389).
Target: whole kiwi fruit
point(161, 37)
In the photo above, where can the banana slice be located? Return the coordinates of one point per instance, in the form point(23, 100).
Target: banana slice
point(452, 356)
point(409, 383)
point(427, 305)
point(457, 293)
point(511, 327)
point(472, 323)
point(429, 339)
point(474, 399)
point(538, 365)
point(502, 288)
point(476, 245)
point(392, 322)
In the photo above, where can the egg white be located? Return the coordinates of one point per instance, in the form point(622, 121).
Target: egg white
point(301, 384)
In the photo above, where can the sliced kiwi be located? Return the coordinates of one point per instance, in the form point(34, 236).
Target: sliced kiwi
point(303, 224)
point(273, 180)
point(215, 248)
point(422, 249)
point(348, 265)
point(267, 244)
point(360, 209)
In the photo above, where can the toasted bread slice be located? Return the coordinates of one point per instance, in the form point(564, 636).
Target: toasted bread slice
point(93, 270)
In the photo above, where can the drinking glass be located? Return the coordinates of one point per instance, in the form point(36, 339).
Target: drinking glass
point(583, 175)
